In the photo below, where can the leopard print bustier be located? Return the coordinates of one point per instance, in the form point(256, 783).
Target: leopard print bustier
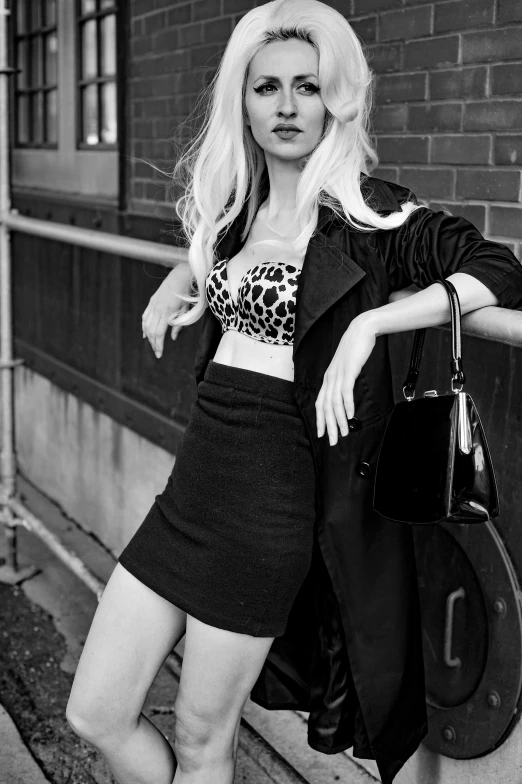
point(266, 303)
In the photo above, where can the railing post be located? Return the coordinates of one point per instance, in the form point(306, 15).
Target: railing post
point(9, 572)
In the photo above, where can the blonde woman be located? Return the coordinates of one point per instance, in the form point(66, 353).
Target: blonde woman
point(263, 548)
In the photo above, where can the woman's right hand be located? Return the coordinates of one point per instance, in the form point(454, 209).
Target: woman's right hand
point(164, 305)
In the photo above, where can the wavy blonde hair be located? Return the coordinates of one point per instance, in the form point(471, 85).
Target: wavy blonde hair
point(223, 167)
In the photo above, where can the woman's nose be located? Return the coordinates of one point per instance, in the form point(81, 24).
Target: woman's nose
point(287, 103)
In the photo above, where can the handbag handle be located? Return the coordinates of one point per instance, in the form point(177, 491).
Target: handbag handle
point(458, 376)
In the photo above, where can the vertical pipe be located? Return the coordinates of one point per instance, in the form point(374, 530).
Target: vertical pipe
point(7, 458)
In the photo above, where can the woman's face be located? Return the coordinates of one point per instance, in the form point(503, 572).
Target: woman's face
point(283, 88)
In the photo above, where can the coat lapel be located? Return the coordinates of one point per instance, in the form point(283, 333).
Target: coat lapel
point(328, 271)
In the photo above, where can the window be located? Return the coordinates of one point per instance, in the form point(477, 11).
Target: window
point(64, 118)
point(36, 56)
point(97, 72)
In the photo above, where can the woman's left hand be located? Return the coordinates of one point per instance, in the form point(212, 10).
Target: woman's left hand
point(334, 404)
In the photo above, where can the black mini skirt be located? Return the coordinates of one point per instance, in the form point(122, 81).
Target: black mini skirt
point(230, 538)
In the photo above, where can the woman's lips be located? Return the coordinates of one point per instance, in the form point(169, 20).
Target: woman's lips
point(286, 134)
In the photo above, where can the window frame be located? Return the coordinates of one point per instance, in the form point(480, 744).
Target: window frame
point(43, 87)
point(114, 9)
point(82, 173)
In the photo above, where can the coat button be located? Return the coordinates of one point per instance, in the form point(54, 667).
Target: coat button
point(364, 469)
point(354, 423)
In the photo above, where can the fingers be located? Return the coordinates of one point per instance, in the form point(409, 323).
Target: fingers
point(155, 325)
point(334, 406)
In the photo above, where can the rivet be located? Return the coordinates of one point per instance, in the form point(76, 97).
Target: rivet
point(493, 699)
point(449, 733)
point(499, 606)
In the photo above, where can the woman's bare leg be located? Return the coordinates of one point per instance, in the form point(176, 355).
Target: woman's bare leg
point(132, 633)
point(219, 671)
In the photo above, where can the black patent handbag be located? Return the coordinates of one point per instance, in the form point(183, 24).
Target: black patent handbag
point(434, 464)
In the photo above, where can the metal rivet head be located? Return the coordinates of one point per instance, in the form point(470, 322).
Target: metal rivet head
point(449, 734)
point(364, 469)
point(493, 699)
point(499, 606)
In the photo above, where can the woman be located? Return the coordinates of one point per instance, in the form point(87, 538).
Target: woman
point(263, 548)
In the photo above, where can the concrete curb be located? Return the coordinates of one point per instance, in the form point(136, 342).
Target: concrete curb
point(17, 765)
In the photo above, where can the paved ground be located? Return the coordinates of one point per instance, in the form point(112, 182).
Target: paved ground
point(43, 624)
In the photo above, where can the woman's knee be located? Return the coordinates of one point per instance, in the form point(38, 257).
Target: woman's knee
point(202, 736)
point(97, 723)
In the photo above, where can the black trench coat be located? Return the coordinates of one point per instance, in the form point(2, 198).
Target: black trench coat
point(352, 651)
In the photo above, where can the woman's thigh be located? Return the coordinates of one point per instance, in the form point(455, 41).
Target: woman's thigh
point(218, 673)
point(132, 633)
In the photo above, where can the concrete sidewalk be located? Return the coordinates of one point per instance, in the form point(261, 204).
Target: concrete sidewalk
point(17, 765)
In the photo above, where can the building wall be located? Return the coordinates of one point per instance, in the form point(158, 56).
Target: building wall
point(448, 105)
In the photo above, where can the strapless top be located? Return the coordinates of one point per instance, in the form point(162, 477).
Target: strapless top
point(266, 304)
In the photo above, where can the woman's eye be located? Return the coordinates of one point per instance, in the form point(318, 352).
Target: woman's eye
point(314, 88)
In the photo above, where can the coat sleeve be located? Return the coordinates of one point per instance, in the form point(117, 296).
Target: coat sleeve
point(431, 245)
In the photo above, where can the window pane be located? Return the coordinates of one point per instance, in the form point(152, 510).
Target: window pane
point(50, 13)
point(23, 118)
point(88, 6)
point(51, 47)
point(21, 62)
point(107, 3)
point(37, 118)
point(89, 49)
point(35, 61)
point(90, 114)
point(108, 45)
point(109, 131)
point(51, 118)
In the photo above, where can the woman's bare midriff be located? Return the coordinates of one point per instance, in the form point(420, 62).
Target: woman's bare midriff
point(240, 350)
point(237, 348)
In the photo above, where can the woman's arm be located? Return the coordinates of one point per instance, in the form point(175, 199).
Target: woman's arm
point(163, 304)
point(429, 307)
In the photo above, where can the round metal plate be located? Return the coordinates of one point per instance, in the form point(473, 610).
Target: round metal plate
point(472, 637)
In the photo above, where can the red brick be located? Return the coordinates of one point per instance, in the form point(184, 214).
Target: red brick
point(386, 173)
point(401, 87)
point(505, 79)
point(363, 6)
point(506, 221)
point(155, 22)
point(365, 28)
point(488, 185)
point(190, 35)
point(463, 14)
point(405, 24)
point(493, 45)
point(429, 183)
point(382, 58)
point(136, 28)
point(403, 149)
point(432, 52)
point(206, 9)
point(509, 11)
point(390, 118)
point(217, 31)
point(508, 150)
point(204, 56)
point(234, 6)
point(460, 149)
point(141, 47)
point(458, 83)
point(437, 117)
point(180, 14)
point(475, 213)
point(493, 115)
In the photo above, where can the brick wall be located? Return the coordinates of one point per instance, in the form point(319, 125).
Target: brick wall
point(448, 116)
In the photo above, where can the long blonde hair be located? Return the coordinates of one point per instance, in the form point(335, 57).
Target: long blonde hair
point(223, 166)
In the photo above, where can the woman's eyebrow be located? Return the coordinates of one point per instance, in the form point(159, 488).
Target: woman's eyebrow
point(296, 78)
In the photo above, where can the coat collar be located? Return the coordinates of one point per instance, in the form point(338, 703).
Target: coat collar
point(328, 271)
